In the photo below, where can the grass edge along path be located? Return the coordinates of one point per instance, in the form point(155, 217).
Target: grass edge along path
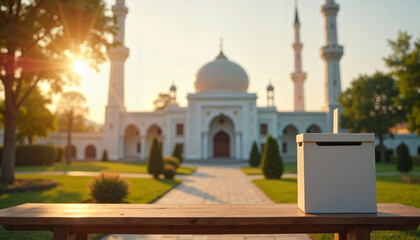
point(74, 190)
point(97, 166)
point(390, 189)
point(292, 168)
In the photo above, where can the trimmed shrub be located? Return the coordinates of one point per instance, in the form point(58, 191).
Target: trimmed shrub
point(254, 156)
point(105, 156)
point(172, 161)
point(271, 162)
point(177, 152)
point(108, 188)
point(404, 162)
point(169, 171)
point(388, 154)
point(34, 155)
point(59, 154)
point(155, 160)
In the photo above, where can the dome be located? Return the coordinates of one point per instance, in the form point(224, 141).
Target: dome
point(221, 75)
point(270, 87)
point(172, 88)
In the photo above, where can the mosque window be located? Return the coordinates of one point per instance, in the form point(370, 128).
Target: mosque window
point(138, 147)
point(263, 129)
point(285, 147)
point(181, 147)
point(180, 129)
point(111, 126)
point(262, 147)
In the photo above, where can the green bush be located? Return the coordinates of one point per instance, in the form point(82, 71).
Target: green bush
point(416, 160)
point(404, 162)
point(169, 173)
point(108, 188)
point(59, 153)
point(34, 155)
point(388, 154)
point(254, 156)
point(105, 156)
point(177, 152)
point(271, 162)
point(171, 161)
point(155, 160)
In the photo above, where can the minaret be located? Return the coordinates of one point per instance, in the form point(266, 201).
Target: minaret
point(270, 95)
point(117, 57)
point(331, 53)
point(298, 77)
point(172, 95)
point(112, 141)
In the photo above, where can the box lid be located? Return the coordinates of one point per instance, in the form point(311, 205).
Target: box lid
point(339, 137)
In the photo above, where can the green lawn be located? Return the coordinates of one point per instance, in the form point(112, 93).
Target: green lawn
point(288, 168)
point(99, 166)
point(74, 190)
point(390, 189)
point(291, 168)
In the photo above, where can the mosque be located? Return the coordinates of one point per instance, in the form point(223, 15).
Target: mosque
point(222, 119)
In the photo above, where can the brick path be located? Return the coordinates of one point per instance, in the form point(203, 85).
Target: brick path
point(214, 185)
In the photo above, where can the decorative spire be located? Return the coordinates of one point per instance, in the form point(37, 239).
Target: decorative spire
point(221, 55)
point(296, 13)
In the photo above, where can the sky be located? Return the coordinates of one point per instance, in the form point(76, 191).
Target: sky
point(169, 40)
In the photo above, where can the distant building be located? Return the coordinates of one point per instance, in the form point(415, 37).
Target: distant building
point(222, 119)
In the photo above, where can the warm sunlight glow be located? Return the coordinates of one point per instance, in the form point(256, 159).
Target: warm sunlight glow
point(80, 67)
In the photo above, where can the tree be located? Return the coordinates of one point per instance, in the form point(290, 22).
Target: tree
point(271, 162)
point(404, 63)
point(35, 111)
point(404, 161)
point(39, 39)
point(254, 157)
point(155, 160)
point(177, 152)
point(71, 105)
point(105, 156)
point(79, 124)
point(368, 106)
point(162, 101)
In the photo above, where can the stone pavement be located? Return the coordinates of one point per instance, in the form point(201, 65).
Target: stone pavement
point(213, 185)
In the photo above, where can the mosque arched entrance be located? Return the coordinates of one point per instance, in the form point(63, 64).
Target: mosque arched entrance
point(221, 142)
point(221, 145)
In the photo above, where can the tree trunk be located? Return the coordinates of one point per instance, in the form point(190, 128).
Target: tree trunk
point(156, 176)
point(9, 148)
point(382, 149)
point(69, 129)
point(30, 139)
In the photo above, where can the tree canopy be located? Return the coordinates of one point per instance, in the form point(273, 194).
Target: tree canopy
point(404, 62)
point(39, 40)
point(368, 106)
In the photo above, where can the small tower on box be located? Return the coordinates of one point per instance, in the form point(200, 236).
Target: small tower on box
point(172, 95)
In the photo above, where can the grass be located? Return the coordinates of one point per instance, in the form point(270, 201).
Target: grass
point(288, 168)
point(93, 166)
point(291, 168)
point(390, 189)
point(74, 190)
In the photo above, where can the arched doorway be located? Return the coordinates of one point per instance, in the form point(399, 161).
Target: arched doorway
point(90, 152)
point(132, 142)
point(313, 129)
point(288, 148)
point(221, 142)
point(221, 145)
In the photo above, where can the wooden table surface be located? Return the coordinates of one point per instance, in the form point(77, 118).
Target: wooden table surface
point(200, 219)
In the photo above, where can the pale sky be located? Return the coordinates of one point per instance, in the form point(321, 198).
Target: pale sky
point(171, 39)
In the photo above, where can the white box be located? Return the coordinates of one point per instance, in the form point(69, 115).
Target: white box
point(336, 173)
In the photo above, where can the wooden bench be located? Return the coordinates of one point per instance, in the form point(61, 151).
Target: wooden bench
point(77, 221)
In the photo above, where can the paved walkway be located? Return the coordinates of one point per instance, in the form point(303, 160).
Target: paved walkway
point(214, 185)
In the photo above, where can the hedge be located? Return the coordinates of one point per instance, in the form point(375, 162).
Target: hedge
point(34, 155)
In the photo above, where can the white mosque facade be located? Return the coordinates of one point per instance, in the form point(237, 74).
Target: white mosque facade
point(222, 119)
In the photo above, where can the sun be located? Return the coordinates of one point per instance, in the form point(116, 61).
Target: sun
point(80, 67)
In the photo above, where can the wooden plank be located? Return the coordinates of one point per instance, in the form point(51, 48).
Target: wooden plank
point(62, 233)
point(83, 236)
point(228, 229)
point(394, 215)
point(359, 232)
point(342, 235)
